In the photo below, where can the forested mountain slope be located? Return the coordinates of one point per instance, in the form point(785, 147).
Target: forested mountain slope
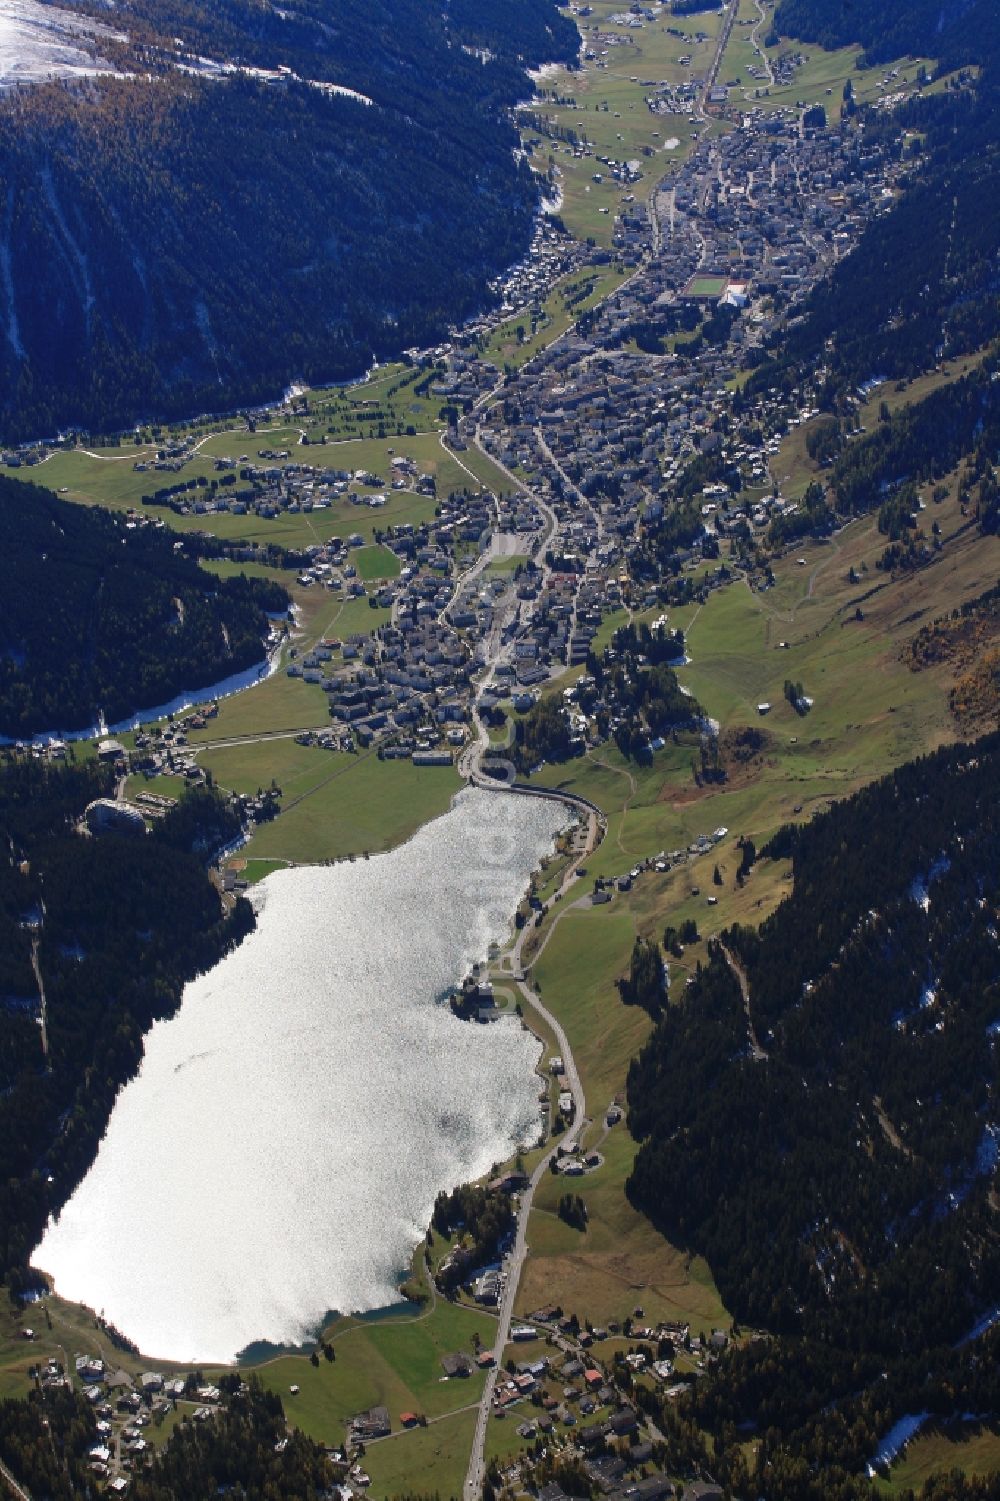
point(841, 1178)
point(957, 31)
point(99, 617)
point(119, 924)
point(185, 235)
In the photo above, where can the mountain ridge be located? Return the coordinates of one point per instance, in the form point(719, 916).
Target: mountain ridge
point(187, 239)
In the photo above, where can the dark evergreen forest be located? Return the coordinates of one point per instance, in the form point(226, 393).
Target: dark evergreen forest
point(117, 926)
point(830, 1142)
point(99, 616)
point(178, 241)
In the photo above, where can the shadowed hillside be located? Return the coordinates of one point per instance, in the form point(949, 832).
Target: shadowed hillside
point(188, 236)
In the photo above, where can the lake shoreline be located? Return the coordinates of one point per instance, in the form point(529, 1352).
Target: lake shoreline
point(499, 870)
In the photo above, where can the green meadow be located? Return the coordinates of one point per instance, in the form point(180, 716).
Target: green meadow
point(392, 1361)
point(334, 804)
point(605, 105)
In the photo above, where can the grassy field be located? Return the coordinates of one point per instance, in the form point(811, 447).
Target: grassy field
point(375, 563)
point(974, 1450)
point(107, 477)
point(278, 703)
point(576, 977)
point(441, 1450)
point(506, 563)
point(113, 483)
point(485, 471)
point(574, 294)
point(820, 78)
point(898, 394)
point(165, 786)
point(394, 1361)
point(254, 870)
point(870, 711)
point(62, 1331)
point(387, 398)
point(792, 468)
point(605, 104)
point(619, 1262)
point(334, 804)
point(706, 286)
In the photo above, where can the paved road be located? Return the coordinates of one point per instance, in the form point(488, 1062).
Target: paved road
point(755, 39)
point(12, 1485)
point(515, 1265)
point(723, 42)
point(572, 1082)
point(43, 1013)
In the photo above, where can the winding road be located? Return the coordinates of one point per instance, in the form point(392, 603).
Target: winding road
point(515, 1264)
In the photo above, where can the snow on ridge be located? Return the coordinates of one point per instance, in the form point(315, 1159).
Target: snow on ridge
point(45, 41)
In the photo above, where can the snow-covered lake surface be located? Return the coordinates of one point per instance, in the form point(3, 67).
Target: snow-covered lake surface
point(279, 1152)
point(46, 41)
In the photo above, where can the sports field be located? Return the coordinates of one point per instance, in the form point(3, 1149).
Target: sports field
point(706, 286)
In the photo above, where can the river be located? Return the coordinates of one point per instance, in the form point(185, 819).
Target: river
point(279, 1152)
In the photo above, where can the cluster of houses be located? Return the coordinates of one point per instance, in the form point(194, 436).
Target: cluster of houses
point(165, 749)
point(621, 423)
point(582, 1406)
point(526, 283)
point(124, 1408)
point(274, 485)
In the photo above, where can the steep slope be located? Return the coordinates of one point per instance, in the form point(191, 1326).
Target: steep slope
point(100, 617)
point(115, 926)
point(958, 31)
point(840, 1177)
point(259, 194)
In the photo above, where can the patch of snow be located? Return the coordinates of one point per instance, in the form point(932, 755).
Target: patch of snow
point(45, 41)
point(896, 1439)
point(189, 699)
point(546, 70)
point(920, 887)
point(212, 68)
point(7, 279)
